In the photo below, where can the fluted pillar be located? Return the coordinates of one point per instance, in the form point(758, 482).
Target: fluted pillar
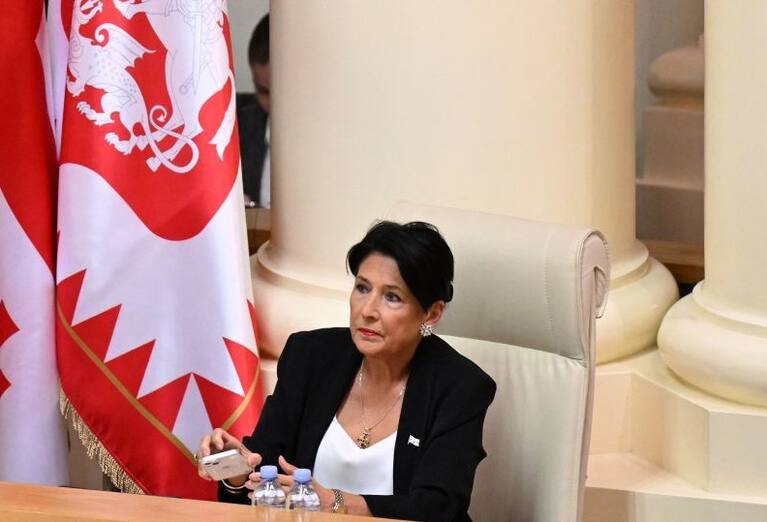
point(520, 108)
point(717, 337)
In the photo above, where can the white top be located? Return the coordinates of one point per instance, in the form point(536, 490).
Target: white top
point(343, 465)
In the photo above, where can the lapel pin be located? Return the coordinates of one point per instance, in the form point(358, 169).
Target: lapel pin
point(415, 442)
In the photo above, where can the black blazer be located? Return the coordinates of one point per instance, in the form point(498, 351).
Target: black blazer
point(444, 407)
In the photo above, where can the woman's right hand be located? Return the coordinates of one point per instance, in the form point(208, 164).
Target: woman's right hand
point(218, 441)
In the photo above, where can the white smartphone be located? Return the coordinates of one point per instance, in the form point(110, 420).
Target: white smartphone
point(226, 464)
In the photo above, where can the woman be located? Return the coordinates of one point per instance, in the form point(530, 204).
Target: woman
point(388, 416)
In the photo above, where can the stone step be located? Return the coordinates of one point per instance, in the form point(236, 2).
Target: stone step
point(642, 408)
point(622, 487)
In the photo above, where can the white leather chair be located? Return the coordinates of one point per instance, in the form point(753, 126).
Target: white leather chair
point(526, 298)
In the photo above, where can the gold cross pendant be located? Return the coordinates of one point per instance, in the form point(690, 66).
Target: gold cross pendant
point(363, 441)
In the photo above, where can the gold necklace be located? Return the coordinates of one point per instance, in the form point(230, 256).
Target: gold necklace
point(363, 439)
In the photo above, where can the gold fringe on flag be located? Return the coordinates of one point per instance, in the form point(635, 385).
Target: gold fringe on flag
point(94, 448)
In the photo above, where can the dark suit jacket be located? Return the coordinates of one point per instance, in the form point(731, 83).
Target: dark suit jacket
point(251, 121)
point(444, 407)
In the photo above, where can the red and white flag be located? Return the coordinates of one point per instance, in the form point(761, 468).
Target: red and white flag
point(32, 437)
point(155, 321)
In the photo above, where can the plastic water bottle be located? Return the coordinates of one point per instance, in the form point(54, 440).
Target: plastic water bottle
point(268, 492)
point(303, 496)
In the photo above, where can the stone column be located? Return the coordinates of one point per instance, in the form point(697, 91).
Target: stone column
point(716, 338)
point(520, 108)
point(670, 190)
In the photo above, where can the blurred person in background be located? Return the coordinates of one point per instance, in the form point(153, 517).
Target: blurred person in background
point(254, 122)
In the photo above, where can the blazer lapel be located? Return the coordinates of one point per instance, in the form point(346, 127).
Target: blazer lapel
point(411, 431)
point(326, 400)
point(412, 428)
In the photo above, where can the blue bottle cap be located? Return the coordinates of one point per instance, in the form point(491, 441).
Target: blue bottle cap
point(268, 472)
point(302, 475)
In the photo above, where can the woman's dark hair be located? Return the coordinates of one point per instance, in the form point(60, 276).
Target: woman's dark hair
point(422, 255)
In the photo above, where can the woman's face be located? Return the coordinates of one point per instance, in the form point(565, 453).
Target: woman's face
point(384, 315)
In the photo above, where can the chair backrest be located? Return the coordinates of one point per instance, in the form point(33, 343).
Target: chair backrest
point(526, 297)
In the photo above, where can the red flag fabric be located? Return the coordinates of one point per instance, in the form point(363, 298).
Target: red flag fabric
point(32, 438)
point(155, 322)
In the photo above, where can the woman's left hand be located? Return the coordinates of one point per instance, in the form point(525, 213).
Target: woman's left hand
point(286, 481)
